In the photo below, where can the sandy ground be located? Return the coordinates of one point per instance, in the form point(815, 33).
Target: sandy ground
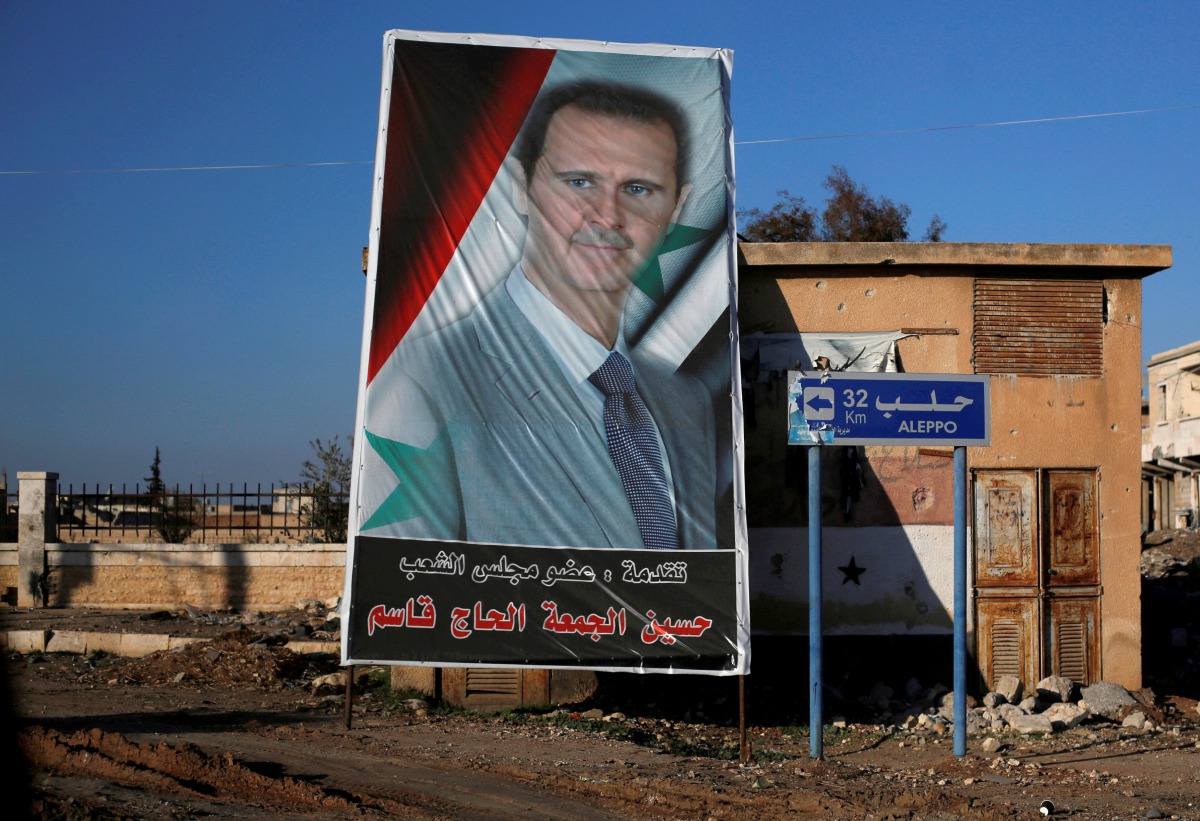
point(233, 728)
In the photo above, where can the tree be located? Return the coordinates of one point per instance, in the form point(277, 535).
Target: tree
point(789, 220)
point(325, 485)
point(170, 519)
point(851, 215)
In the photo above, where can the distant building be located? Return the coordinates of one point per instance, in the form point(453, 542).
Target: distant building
point(1171, 440)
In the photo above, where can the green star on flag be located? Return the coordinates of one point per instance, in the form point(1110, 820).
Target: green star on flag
point(415, 468)
point(650, 280)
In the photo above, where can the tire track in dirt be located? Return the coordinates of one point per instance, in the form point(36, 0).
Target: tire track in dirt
point(445, 786)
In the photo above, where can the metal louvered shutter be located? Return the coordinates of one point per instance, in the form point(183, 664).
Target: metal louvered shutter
point(1039, 327)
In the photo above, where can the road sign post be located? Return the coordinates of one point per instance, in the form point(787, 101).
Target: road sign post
point(888, 409)
point(841, 408)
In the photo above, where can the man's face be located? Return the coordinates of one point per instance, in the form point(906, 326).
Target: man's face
point(600, 198)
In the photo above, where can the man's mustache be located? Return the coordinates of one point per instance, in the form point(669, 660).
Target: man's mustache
point(603, 237)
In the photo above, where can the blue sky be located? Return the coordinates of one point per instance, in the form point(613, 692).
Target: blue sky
point(217, 314)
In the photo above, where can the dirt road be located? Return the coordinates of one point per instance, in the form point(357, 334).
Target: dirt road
point(118, 738)
point(232, 728)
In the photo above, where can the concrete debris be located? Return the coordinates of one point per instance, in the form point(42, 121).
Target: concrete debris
point(913, 688)
point(1158, 564)
point(1054, 689)
point(1027, 724)
point(1009, 687)
point(993, 700)
point(1007, 711)
point(1105, 698)
point(1135, 720)
point(1066, 716)
point(1051, 713)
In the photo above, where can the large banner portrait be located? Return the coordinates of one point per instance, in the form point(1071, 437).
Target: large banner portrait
point(547, 449)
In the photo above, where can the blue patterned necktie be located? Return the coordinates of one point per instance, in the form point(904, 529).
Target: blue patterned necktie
point(633, 446)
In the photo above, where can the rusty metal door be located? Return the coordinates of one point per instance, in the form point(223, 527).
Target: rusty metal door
point(1037, 574)
point(1007, 636)
point(1073, 539)
point(1006, 525)
point(1072, 637)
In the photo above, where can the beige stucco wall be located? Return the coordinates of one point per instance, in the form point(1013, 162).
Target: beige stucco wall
point(243, 576)
point(1053, 421)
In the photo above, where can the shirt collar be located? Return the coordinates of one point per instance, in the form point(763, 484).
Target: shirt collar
point(578, 352)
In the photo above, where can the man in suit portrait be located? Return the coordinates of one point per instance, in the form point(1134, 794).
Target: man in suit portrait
point(530, 420)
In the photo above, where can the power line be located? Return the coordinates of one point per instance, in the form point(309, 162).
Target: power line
point(811, 138)
point(188, 168)
point(969, 125)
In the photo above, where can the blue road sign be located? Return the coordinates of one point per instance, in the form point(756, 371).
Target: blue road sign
point(841, 408)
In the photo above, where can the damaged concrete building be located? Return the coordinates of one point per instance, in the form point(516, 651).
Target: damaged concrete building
point(1171, 440)
point(1054, 512)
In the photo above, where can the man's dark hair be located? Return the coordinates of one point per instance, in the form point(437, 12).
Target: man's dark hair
point(610, 99)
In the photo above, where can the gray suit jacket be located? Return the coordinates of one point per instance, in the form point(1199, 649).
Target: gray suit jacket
point(517, 460)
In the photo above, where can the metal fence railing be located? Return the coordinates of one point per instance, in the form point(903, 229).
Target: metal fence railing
point(280, 514)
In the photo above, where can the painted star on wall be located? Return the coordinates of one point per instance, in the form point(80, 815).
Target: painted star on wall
point(852, 571)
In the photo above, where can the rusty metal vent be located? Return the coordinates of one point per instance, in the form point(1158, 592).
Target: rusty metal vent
point(487, 682)
point(1006, 650)
point(1032, 326)
point(1072, 651)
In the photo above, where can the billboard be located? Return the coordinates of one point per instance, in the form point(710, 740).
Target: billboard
point(548, 439)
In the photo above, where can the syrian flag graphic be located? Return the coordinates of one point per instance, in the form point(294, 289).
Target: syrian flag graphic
point(453, 116)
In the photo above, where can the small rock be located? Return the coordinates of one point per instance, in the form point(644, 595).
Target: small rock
point(180, 676)
point(838, 722)
point(880, 695)
point(991, 744)
point(1154, 812)
point(593, 714)
point(1029, 704)
point(911, 723)
point(1007, 711)
point(1136, 720)
point(993, 700)
point(330, 683)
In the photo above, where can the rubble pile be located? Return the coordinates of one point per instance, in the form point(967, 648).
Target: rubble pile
point(1054, 705)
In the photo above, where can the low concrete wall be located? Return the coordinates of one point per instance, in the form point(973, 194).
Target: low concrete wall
point(209, 576)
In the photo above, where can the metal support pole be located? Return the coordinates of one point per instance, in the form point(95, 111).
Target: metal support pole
point(349, 706)
point(743, 744)
point(816, 720)
point(960, 601)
